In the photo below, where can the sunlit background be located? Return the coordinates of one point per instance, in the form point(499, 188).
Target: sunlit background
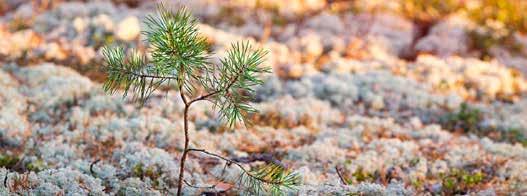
point(366, 97)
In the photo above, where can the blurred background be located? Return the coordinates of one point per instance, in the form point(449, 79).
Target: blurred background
point(401, 96)
point(314, 31)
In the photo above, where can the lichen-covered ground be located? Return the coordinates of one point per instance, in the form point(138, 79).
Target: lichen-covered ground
point(393, 109)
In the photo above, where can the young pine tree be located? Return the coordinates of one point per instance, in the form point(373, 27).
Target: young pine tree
point(179, 57)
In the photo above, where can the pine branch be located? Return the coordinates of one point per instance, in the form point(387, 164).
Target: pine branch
point(271, 178)
point(204, 97)
point(239, 73)
point(177, 47)
point(130, 72)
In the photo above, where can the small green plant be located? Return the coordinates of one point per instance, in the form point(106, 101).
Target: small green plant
point(514, 135)
point(465, 119)
point(361, 176)
point(15, 163)
point(178, 56)
point(460, 181)
point(8, 161)
point(36, 166)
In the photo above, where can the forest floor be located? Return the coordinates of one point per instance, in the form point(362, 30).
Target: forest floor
point(359, 102)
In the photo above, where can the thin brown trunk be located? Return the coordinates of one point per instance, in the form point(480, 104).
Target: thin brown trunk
point(185, 151)
point(185, 127)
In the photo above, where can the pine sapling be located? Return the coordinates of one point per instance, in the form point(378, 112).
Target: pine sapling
point(178, 56)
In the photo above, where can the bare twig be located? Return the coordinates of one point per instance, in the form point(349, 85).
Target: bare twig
point(340, 176)
point(5, 178)
point(199, 187)
point(184, 156)
point(265, 157)
point(91, 167)
point(185, 124)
